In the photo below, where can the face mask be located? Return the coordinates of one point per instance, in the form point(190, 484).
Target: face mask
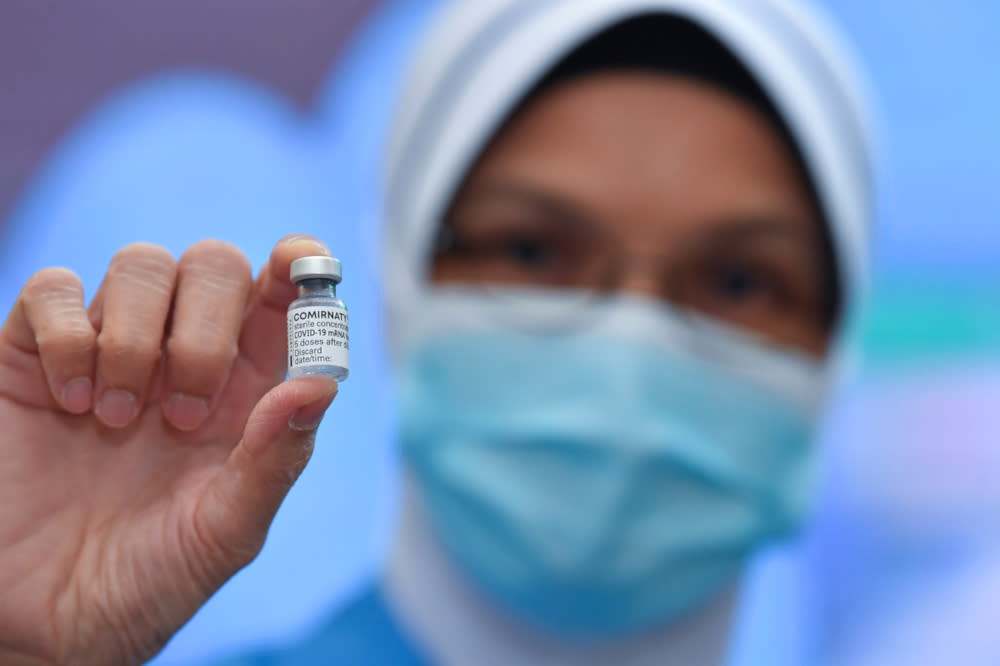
point(608, 480)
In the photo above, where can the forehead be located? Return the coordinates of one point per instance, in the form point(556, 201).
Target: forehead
point(646, 139)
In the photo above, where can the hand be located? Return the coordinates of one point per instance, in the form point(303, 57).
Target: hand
point(145, 446)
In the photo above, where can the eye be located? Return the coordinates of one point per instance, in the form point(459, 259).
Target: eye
point(512, 250)
point(766, 280)
point(514, 247)
point(738, 283)
point(527, 251)
point(733, 289)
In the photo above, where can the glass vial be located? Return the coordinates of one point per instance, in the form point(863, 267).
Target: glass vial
point(317, 320)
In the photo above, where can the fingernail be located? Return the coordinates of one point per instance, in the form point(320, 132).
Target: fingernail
point(309, 417)
point(186, 412)
point(77, 395)
point(116, 408)
point(307, 241)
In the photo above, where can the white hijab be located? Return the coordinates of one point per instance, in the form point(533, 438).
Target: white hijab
point(481, 57)
point(472, 69)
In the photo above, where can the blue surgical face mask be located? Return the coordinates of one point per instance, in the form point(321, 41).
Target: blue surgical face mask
point(610, 479)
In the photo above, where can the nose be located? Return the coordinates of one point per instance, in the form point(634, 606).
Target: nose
point(641, 274)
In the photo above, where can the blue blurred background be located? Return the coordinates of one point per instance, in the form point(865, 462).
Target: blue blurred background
point(245, 121)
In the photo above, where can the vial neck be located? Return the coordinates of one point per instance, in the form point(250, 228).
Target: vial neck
point(317, 287)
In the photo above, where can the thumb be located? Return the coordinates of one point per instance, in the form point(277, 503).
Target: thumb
point(277, 443)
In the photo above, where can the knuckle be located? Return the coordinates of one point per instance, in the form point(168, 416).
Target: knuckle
point(217, 258)
point(149, 265)
point(208, 361)
point(147, 252)
point(282, 479)
point(72, 340)
point(240, 553)
point(55, 281)
point(233, 546)
point(127, 349)
point(303, 455)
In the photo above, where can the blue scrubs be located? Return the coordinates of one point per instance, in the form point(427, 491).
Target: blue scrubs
point(362, 633)
point(365, 631)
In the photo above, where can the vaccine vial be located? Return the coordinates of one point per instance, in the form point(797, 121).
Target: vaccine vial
point(317, 320)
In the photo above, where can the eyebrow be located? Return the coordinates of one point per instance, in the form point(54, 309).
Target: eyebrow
point(740, 227)
point(737, 228)
point(741, 232)
point(539, 199)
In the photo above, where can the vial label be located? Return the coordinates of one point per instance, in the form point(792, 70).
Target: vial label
point(317, 336)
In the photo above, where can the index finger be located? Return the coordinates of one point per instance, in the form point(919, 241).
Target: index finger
point(263, 338)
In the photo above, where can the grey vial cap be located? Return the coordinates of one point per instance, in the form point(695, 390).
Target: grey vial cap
point(316, 267)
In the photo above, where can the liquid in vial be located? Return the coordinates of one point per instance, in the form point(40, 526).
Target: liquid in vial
point(318, 341)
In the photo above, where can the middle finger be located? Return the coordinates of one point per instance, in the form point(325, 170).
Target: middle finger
point(213, 286)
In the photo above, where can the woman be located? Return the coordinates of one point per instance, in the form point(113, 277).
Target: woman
point(622, 237)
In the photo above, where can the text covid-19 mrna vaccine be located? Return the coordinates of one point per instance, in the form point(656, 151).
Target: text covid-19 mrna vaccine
point(317, 320)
